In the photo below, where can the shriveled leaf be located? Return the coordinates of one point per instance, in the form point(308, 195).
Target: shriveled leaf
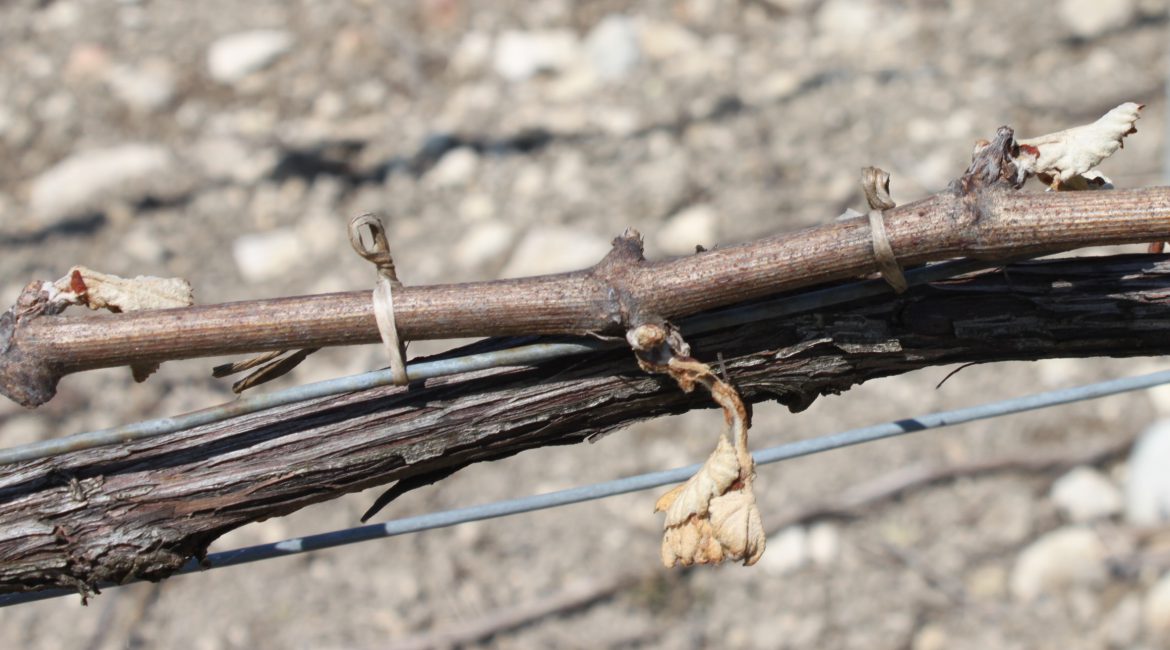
point(104, 291)
point(736, 521)
point(1058, 157)
point(691, 543)
point(1089, 181)
point(730, 530)
point(713, 516)
point(97, 290)
point(693, 497)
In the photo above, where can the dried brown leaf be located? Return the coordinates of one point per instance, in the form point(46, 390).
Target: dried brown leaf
point(694, 497)
point(1063, 155)
point(713, 516)
point(692, 543)
point(96, 290)
point(104, 291)
point(736, 521)
point(1087, 182)
point(730, 529)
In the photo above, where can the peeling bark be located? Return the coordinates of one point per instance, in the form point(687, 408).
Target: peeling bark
point(142, 509)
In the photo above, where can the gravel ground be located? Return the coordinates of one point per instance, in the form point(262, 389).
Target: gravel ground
point(229, 143)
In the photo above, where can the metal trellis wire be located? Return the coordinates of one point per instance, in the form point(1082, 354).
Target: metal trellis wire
point(643, 481)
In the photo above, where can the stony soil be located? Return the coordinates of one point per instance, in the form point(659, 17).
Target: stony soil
point(229, 143)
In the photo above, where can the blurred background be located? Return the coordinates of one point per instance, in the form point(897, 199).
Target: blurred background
point(229, 143)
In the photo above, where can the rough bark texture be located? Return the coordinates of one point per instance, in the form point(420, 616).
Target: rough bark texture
point(143, 508)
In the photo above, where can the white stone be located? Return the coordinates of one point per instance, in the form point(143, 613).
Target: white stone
point(612, 47)
point(1147, 483)
point(329, 106)
point(1157, 608)
point(988, 582)
point(617, 121)
point(571, 87)
point(787, 551)
point(143, 245)
point(322, 233)
point(87, 181)
point(778, 85)
point(1092, 18)
point(1084, 494)
point(1159, 397)
point(456, 168)
point(146, 88)
point(824, 543)
point(483, 243)
point(520, 55)
point(554, 249)
point(59, 15)
point(932, 636)
point(844, 20)
point(268, 255)
point(694, 225)
point(531, 180)
point(233, 57)
point(472, 54)
point(661, 41)
point(229, 159)
point(1066, 557)
point(477, 207)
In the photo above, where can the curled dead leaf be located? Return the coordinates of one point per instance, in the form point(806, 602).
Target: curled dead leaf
point(1087, 182)
point(99, 290)
point(1058, 158)
point(713, 516)
point(737, 524)
point(718, 474)
point(691, 543)
point(730, 529)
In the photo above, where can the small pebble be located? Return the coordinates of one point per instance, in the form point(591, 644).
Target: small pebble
point(1084, 494)
point(1156, 611)
point(88, 181)
point(554, 249)
point(521, 55)
point(1067, 557)
point(483, 243)
point(144, 88)
point(1093, 18)
point(693, 226)
point(788, 551)
point(233, 57)
point(612, 47)
point(1147, 483)
point(456, 168)
point(269, 255)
